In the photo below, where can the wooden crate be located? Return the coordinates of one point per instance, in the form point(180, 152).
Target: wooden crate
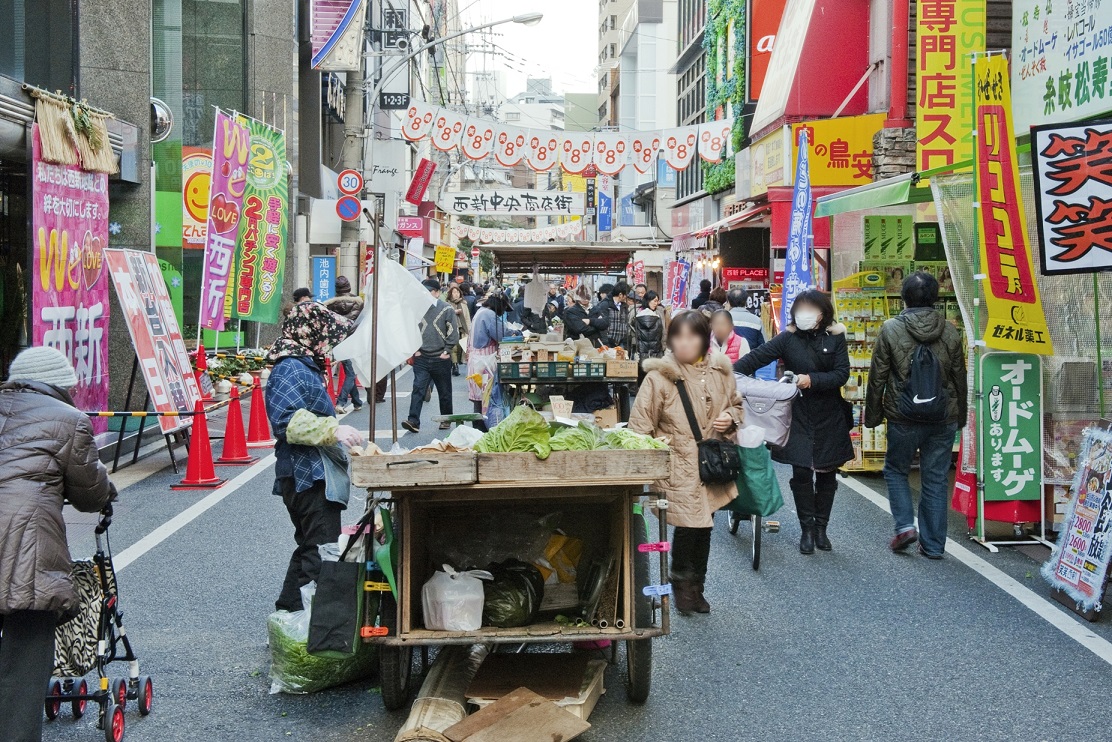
point(384, 472)
point(621, 369)
point(574, 467)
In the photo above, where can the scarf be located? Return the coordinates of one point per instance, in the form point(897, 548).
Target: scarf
point(309, 330)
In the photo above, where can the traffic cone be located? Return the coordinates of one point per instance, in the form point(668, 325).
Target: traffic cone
point(235, 443)
point(201, 370)
point(258, 429)
point(199, 471)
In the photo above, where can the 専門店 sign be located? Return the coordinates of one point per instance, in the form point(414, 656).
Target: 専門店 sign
point(841, 149)
point(1079, 563)
point(512, 201)
point(1015, 314)
point(1060, 61)
point(1010, 420)
point(1073, 194)
point(946, 33)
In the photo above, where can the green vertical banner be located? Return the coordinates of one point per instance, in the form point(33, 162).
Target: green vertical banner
point(263, 228)
point(1009, 417)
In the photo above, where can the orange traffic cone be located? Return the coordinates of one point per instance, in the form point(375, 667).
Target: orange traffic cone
point(200, 373)
point(235, 443)
point(199, 471)
point(258, 429)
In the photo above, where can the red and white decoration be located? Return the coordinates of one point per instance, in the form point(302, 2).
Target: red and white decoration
point(679, 146)
point(509, 144)
point(575, 151)
point(611, 152)
point(418, 121)
point(446, 130)
point(644, 145)
point(478, 139)
point(568, 231)
point(542, 150)
point(713, 139)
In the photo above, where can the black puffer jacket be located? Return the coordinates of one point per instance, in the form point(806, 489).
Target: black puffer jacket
point(579, 322)
point(819, 436)
point(47, 455)
point(649, 331)
point(899, 337)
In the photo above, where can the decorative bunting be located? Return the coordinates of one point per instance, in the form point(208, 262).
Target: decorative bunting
point(567, 231)
point(418, 120)
point(679, 146)
point(644, 146)
point(446, 130)
point(714, 138)
point(509, 145)
point(611, 152)
point(478, 139)
point(575, 151)
point(542, 149)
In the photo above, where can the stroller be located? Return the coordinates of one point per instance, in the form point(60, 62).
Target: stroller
point(93, 639)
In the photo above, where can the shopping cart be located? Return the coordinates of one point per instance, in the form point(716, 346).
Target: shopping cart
point(93, 640)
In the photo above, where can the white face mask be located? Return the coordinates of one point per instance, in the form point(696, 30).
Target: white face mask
point(806, 319)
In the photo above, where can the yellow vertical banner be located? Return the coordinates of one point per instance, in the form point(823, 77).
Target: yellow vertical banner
point(946, 33)
point(1016, 321)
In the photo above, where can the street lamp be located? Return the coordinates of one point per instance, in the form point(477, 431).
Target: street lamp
point(525, 19)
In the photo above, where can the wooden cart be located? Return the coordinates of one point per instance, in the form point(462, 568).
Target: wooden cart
point(597, 493)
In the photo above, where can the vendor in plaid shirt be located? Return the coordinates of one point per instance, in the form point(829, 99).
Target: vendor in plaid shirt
point(310, 472)
point(619, 332)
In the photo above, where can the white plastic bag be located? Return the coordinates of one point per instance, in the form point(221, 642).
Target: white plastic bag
point(751, 436)
point(453, 601)
point(464, 436)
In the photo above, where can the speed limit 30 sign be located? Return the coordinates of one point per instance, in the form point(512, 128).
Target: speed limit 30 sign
point(350, 182)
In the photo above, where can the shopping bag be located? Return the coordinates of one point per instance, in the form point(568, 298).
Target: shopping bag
point(337, 614)
point(758, 491)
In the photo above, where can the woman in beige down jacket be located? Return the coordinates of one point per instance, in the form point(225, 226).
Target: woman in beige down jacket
point(658, 411)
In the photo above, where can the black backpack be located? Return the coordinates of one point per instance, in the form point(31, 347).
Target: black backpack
point(924, 398)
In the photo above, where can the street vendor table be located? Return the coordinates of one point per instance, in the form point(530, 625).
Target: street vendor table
point(623, 388)
point(597, 494)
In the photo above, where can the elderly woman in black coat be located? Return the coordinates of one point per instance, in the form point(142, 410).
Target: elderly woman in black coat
point(814, 348)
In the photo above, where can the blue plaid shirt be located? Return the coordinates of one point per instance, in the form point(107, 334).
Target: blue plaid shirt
point(296, 383)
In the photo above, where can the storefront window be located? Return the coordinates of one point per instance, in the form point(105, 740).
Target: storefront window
point(213, 66)
point(25, 55)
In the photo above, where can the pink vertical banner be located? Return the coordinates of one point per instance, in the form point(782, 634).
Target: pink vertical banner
point(230, 149)
point(69, 223)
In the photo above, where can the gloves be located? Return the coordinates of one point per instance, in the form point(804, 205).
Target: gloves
point(348, 435)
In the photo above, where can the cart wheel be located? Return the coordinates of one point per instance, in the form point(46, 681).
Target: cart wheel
point(113, 723)
point(80, 688)
point(394, 663)
point(145, 694)
point(735, 521)
point(119, 692)
point(756, 548)
point(639, 669)
point(53, 699)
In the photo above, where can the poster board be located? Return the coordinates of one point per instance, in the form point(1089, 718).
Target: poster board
point(1010, 421)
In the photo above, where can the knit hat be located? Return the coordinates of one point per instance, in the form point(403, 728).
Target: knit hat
point(343, 286)
point(44, 365)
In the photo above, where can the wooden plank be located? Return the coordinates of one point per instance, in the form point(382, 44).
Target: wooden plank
point(384, 472)
point(552, 675)
point(598, 467)
point(520, 716)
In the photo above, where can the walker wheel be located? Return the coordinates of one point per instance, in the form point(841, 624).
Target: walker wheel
point(146, 694)
point(119, 693)
point(80, 688)
point(113, 723)
point(53, 699)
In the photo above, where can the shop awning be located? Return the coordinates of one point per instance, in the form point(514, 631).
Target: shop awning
point(889, 192)
point(734, 220)
point(563, 257)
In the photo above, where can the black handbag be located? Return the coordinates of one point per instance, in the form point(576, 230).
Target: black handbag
point(719, 461)
point(336, 618)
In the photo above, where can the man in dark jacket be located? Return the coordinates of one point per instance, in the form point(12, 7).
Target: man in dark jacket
point(703, 296)
point(432, 364)
point(582, 322)
point(348, 306)
point(619, 327)
point(47, 456)
point(919, 324)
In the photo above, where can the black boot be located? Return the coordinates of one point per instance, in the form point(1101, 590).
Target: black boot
point(807, 539)
point(455, 369)
point(701, 604)
point(684, 595)
point(826, 484)
point(821, 541)
point(803, 490)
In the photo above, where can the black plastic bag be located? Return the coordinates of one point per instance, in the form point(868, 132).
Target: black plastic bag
point(514, 596)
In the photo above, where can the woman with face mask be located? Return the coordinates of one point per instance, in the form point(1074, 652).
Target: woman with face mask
point(813, 347)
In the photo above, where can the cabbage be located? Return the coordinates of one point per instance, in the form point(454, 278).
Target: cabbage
point(624, 438)
point(583, 437)
point(523, 430)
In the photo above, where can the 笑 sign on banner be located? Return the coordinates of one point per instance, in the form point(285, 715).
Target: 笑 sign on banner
point(515, 201)
point(797, 268)
point(69, 225)
point(445, 259)
point(163, 359)
point(230, 152)
point(1015, 314)
point(324, 277)
point(261, 258)
point(1079, 563)
point(946, 32)
point(420, 183)
point(1009, 416)
point(1073, 196)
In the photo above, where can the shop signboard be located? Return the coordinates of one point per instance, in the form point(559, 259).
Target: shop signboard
point(605, 212)
point(841, 149)
point(769, 162)
point(676, 284)
point(159, 347)
point(1060, 61)
point(69, 300)
point(797, 270)
point(230, 153)
point(385, 168)
point(744, 276)
point(764, 22)
point(947, 32)
point(514, 201)
point(1010, 419)
point(336, 34)
point(264, 228)
point(1079, 563)
point(1073, 196)
point(445, 258)
point(324, 277)
point(1015, 314)
point(196, 178)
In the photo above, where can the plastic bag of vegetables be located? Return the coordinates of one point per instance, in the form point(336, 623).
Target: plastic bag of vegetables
point(514, 596)
point(523, 430)
point(293, 669)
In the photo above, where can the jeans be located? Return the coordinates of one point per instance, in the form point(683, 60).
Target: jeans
point(316, 521)
point(935, 444)
point(26, 662)
point(690, 553)
point(430, 370)
point(348, 390)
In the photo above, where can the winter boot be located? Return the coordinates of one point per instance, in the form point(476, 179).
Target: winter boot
point(826, 484)
point(807, 539)
point(822, 543)
point(701, 604)
point(685, 595)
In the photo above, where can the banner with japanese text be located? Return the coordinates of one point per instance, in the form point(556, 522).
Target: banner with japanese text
point(69, 225)
point(163, 359)
point(263, 228)
point(230, 152)
point(946, 33)
point(1073, 196)
point(675, 285)
point(841, 149)
point(797, 267)
point(515, 201)
point(1016, 321)
point(1010, 421)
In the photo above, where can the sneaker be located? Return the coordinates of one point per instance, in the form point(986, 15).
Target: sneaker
point(411, 427)
point(928, 555)
point(357, 407)
point(445, 425)
point(343, 409)
point(903, 540)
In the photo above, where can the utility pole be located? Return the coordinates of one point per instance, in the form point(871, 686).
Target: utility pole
point(347, 261)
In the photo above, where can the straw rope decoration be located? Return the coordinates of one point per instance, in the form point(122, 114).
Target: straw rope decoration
point(73, 133)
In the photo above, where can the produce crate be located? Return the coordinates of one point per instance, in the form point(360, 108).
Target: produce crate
point(588, 370)
point(516, 370)
point(621, 369)
point(421, 469)
point(589, 467)
point(552, 369)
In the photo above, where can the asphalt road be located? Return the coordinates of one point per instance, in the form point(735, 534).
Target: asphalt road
point(857, 644)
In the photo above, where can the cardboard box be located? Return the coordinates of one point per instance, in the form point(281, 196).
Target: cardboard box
point(622, 369)
point(581, 701)
point(607, 418)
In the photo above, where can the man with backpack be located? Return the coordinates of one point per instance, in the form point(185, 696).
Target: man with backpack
point(917, 382)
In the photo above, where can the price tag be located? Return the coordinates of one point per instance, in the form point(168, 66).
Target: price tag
point(657, 590)
point(561, 407)
point(656, 546)
point(368, 632)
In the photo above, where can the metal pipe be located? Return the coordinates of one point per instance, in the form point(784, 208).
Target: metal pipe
point(897, 67)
